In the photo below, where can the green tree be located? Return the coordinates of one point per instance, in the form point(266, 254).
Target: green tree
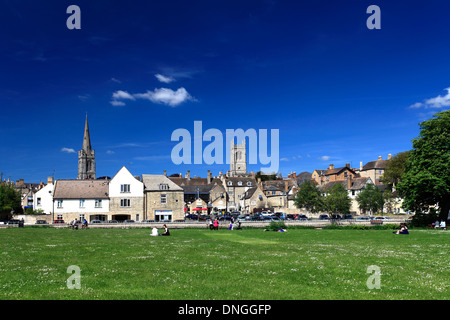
point(9, 200)
point(426, 181)
point(336, 200)
point(395, 168)
point(309, 197)
point(370, 199)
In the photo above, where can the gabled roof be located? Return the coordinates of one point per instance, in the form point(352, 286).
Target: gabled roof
point(377, 164)
point(81, 189)
point(153, 181)
point(356, 183)
point(338, 170)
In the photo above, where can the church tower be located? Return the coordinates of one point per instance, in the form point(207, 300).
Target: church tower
point(238, 161)
point(86, 157)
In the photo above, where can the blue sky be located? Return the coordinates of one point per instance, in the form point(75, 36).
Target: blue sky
point(337, 91)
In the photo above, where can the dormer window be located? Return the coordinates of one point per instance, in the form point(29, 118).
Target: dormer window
point(240, 183)
point(249, 183)
point(163, 186)
point(230, 183)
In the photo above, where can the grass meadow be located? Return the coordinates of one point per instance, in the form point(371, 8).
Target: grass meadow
point(200, 264)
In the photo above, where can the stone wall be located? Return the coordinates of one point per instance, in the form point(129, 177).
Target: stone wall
point(174, 203)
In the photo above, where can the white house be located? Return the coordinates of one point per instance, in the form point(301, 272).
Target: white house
point(126, 196)
point(81, 199)
point(43, 199)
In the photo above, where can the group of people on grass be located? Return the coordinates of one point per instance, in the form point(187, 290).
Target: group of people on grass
point(439, 224)
point(74, 224)
point(155, 232)
point(214, 225)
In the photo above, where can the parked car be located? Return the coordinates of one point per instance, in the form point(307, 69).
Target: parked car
point(302, 217)
point(324, 217)
point(129, 221)
point(382, 218)
point(148, 221)
point(113, 221)
point(96, 221)
point(13, 221)
point(363, 219)
point(58, 221)
point(347, 216)
point(336, 216)
point(41, 222)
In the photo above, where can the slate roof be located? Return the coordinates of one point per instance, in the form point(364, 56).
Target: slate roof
point(153, 181)
point(357, 183)
point(377, 164)
point(81, 189)
point(182, 181)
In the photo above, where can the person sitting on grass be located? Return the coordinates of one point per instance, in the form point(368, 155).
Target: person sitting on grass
point(403, 229)
point(155, 232)
point(166, 231)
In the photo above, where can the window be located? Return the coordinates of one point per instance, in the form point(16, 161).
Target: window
point(98, 203)
point(81, 217)
point(230, 183)
point(59, 216)
point(81, 203)
point(38, 201)
point(240, 183)
point(249, 183)
point(163, 198)
point(124, 188)
point(59, 204)
point(125, 203)
point(163, 186)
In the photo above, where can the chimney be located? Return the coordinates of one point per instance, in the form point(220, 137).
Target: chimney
point(389, 156)
point(360, 165)
point(294, 174)
point(19, 182)
point(380, 158)
point(208, 179)
point(188, 175)
point(286, 186)
point(50, 180)
point(349, 182)
point(331, 167)
point(347, 165)
point(165, 173)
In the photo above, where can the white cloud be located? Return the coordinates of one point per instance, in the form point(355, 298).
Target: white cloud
point(116, 103)
point(436, 103)
point(284, 159)
point(68, 150)
point(162, 95)
point(166, 96)
point(164, 79)
point(110, 152)
point(324, 158)
point(122, 95)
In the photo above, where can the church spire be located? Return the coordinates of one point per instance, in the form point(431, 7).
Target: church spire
point(87, 139)
point(86, 156)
